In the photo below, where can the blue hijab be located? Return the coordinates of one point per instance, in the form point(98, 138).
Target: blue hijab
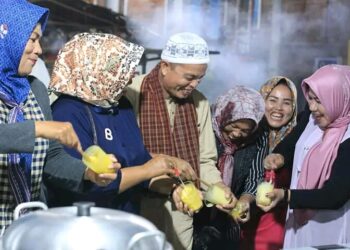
point(18, 18)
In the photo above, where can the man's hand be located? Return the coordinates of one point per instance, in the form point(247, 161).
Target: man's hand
point(182, 207)
point(186, 172)
point(273, 161)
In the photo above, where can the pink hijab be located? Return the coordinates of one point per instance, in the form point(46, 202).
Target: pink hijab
point(331, 84)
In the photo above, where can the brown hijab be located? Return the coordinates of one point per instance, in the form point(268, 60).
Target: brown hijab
point(95, 68)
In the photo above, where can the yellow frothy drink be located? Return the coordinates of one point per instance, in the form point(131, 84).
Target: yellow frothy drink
point(264, 188)
point(216, 195)
point(97, 160)
point(191, 197)
point(236, 212)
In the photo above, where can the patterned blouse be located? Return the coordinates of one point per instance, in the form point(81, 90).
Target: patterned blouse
point(31, 111)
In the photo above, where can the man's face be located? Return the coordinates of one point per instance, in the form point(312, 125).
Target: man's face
point(179, 80)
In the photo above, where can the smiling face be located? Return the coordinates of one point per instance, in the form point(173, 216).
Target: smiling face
point(279, 106)
point(31, 52)
point(179, 80)
point(318, 110)
point(238, 130)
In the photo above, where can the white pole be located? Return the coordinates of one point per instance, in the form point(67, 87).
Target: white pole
point(125, 10)
point(165, 23)
point(113, 5)
point(275, 38)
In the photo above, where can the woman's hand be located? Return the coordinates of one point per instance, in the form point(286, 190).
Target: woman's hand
point(159, 165)
point(229, 196)
point(243, 206)
point(276, 196)
point(173, 166)
point(273, 161)
point(106, 178)
point(60, 131)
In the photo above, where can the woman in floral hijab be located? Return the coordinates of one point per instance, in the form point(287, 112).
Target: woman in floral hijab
point(89, 76)
point(95, 68)
point(318, 150)
point(235, 118)
point(29, 145)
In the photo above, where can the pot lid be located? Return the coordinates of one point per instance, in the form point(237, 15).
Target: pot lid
point(82, 227)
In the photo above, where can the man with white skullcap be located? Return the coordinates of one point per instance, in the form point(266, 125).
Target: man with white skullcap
point(175, 119)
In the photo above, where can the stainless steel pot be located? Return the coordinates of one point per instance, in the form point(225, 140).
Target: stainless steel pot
point(81, 226)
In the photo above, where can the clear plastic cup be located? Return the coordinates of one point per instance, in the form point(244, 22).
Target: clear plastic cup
point(215, 195)
point(262, 189)
point(236, 212)
point(190, 195)
point(97, 160)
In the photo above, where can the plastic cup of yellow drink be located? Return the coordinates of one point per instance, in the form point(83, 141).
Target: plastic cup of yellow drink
point(262, 189)
point(237, 210)
point(97, 160)
point(215, 195)
point(191, 197)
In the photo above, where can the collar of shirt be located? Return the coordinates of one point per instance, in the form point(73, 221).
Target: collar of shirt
point(110, 110)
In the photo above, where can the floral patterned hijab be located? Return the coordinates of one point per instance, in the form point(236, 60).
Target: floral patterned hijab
point(95, 68)
point(276, 137)
point(238, 103)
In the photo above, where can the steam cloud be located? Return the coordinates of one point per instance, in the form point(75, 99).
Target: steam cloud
point(318, 30)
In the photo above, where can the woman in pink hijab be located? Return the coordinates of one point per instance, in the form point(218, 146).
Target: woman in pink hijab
point(319, 206)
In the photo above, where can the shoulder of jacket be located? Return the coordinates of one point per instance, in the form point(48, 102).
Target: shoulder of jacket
point(137, 81)
point(199, 98)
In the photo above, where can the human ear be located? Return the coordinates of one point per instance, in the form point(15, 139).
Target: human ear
point(164, 67)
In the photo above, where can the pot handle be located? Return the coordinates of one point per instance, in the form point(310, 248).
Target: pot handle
point(139, 236)
point(25, 205)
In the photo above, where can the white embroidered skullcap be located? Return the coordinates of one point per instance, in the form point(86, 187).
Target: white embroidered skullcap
point(186, 48)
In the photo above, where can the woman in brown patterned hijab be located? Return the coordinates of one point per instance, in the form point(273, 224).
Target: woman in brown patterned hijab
point(95, 68)
point(89, 75)
point(266, 230)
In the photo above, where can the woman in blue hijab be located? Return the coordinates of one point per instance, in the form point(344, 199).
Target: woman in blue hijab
point(29, 148)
